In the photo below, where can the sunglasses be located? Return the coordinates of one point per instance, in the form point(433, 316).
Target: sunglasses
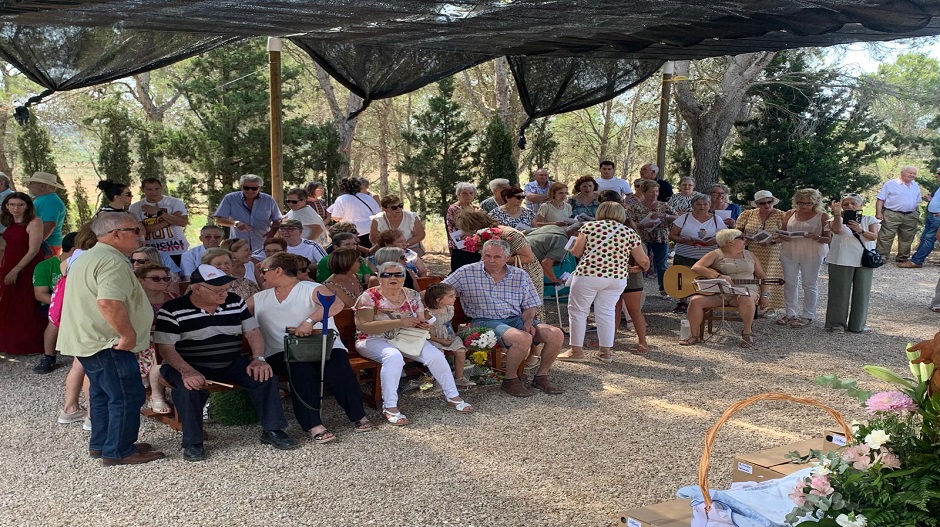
point(135, 230)
point(765, 202)
point(159, 278)
point(217, 237)
point(519, 196)
point(391, 275)
point(265, 270)
point(292, 201)
point(737, 238)
point(140, 261)
point(249, 188)
point(395, 207)
point(804, 202)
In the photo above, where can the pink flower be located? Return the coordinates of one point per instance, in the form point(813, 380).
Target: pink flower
point(863, 463)
point(889, 460)
point(798, 496)
point(820, 485)
point(855, 453)
point(893, 401)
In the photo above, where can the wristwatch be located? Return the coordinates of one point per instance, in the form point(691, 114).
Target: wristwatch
point(765, 295)
point(260, 357)
point(308, 319)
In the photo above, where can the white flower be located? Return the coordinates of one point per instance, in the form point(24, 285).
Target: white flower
point(822, 468)
point(851, 520)
point(876, 438)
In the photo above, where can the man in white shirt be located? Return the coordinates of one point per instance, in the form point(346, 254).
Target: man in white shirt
point(290, 231)
point(607, 180)
point(536, 191)
point(210, 236)
point(298, 209)
point(164, 217)
point(896, 208)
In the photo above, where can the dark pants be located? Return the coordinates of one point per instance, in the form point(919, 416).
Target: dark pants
point(460, 258)
point(115, 397)
point(177, 259)
point(304, 383)
point(264, 397)
point(364, 241)
point(659, 253)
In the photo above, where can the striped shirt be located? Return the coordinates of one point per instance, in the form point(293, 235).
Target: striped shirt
point(210, 340)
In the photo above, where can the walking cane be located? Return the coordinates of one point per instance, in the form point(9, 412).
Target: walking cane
point(326, 301)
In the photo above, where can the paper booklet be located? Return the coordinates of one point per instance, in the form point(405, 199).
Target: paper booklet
point(793, 234)
point(720, 285)
point(723, 214)
point(584, 217)
point(570, 243)
point(650, 221)
point(760, 236)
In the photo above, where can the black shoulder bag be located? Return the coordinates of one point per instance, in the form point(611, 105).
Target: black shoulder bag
point(870, 258)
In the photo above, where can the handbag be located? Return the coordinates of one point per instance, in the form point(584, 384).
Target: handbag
point(410, 341)
point(309, 348)
point(870, 258)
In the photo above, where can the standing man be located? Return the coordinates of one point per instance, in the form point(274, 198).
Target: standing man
point(536, 191)
point(210, 236)
point(164, 217)
point(928, 237)
point(251, 214)
point(651, 171)
point(496, 200)
point(49, 208)
point(106, 325)
point(607, 181)
point(896, 209)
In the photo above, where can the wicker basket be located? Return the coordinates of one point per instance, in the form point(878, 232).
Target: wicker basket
point(733, 409)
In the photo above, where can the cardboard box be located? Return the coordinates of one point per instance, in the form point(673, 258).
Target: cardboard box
point(674, 513)
point(773, 463)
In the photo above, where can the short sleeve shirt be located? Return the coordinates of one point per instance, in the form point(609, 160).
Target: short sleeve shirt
point(548, 242)
point(900, 197)
point(47, 273)
point(481, 298)
point(49, 208)
point(308, 218)
point(171, 239)
point(607, 251)
point(262, 213)
point(615, 183)
point(372, 298)
point(533, 187)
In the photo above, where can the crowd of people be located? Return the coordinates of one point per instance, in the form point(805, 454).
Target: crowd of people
point(138, 308)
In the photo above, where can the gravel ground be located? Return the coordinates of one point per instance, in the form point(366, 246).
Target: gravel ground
point(623, 435)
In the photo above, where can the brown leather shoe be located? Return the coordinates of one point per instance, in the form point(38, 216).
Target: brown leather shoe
point(141, 448)
point(516, 388)
point(134, 459)
point(542, 382)
point(909, 265)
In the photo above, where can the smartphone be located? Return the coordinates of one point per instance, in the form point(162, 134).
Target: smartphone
point(850, 215)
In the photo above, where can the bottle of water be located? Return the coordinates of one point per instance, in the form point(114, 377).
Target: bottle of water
point(685, 330)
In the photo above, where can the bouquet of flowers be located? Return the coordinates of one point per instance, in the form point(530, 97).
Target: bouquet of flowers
point(474, 242)
point(889, 474)
point(478, 338)
point(479, 341)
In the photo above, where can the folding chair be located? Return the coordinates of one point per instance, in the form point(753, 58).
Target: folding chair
point(559, 293)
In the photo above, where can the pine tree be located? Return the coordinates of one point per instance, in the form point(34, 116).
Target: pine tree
point(114, 156)
point(440, 141)
point(804, 135)
point(149, 156)
point(82, 205)
point(495, 154)
point(541, 146)
point(36, 156)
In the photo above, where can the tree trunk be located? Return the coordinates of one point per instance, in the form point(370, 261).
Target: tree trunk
point(4, 160)
point(385, 108)
point(346, 127)
point(709, 125)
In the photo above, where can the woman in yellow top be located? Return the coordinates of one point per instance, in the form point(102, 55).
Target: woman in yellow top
point(765, 216)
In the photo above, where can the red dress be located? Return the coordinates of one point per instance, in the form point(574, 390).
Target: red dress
point(22, 320)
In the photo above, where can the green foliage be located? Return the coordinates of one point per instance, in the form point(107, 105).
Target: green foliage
point(849, 385)
point(440, 154)
point(114, 155)
point(804, 135)
point(81, 206)
point(36, 156)
point(316, 148)
point(540, 148)
point(232, 408)
point(495, 154)
point(149, 156)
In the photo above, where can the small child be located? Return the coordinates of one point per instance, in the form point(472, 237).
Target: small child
point(439, 299)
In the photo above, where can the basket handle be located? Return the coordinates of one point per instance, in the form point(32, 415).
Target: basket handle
point(733, 409)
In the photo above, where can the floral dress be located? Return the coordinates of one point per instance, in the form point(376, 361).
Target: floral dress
point(658, 234)
point(526, 217)
point(768, 255)
point(383, 309)
point(147, 358)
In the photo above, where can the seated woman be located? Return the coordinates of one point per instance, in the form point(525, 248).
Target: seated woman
point(393, 254)
point(145, 255)
point(343, 280)
point(155, 280)
point(730, 262)
point(225, 261)
point(241, 253)
point(344, 240)
point(395, 238)
point(382, 310)
point(293, 304)
point(514, 213)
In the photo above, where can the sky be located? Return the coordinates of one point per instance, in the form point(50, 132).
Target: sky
point(865, 57)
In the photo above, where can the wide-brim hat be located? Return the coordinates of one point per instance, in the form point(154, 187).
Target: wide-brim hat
point(207, 274)
point(45, 178)
point(764, 194)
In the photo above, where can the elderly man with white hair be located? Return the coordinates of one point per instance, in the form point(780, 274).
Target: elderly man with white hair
point(896, 209)
point(251, 214)
point(496, 187)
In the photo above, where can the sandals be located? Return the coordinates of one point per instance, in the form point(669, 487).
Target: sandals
point(837, 329)
point(604, 357)
point(462, 407)
point(363, 425)
point(160, 407)
point(694, 339)
point(395, 418)
point(784, 321)
point(640, 349)
point(323, 437)
point(568, 356)
point(747, 340)
point(797, 323)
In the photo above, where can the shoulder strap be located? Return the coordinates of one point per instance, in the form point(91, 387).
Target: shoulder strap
point(364, 203)
point(686, 220)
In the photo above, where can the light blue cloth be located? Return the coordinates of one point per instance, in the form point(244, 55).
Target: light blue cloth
point(260, 216)
point(761, 505)
point(934, 206)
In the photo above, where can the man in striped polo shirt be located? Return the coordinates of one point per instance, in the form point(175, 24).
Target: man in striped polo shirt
point(199, 336)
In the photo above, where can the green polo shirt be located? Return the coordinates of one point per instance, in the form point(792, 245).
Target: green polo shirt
point(101, 273)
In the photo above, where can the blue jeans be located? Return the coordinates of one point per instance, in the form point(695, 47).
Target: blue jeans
point(116, 394)
point(659, 253)
point(928, 237)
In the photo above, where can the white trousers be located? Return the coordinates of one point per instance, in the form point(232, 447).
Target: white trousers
point(604, 293)
point(379, 350)
point(797, 273)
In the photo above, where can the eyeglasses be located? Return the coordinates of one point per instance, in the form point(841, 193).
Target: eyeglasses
point(159, 278)
point(288, 229)
point(737, 238)
point(140, 261)
point(718, 194)
point(519, 196)
point(395, 207)
point(135, 230)
point(249, 188)
point(216, 237)
point(762, 203)
point(804, 202)
point(265, 270)
point(292, 201)
point(212, 291)
point(392, 275)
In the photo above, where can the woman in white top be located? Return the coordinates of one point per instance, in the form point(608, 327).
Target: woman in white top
point(394, 216)
point(355, 207)
point(849, 282)
point(802, 256)
point(290, 303)
point(694, 234)
point(557, 209)
point(298, 209)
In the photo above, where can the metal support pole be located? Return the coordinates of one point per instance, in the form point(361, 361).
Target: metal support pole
point(277, 152)
point(668, 71)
